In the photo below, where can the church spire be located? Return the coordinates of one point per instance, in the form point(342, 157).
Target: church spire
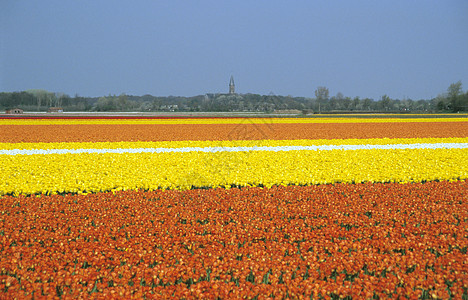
point(232, 86)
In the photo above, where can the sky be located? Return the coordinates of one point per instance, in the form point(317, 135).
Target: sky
point(400, 48)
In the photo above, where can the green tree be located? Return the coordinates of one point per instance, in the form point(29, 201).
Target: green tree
point(356, 102)
point(385, 102)
point(454, 89)
point(122, 102)
point(455, 97)
point(321, 93)
point(106, 104)
point(367, 103)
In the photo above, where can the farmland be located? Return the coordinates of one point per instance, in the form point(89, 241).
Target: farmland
point(357, 207)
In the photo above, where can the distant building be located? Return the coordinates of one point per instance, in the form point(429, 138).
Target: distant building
point(170, 107)
point(55, 110)
point(213, 96)
point(232, 87)
point(12, 111)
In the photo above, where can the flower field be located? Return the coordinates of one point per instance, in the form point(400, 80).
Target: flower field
point(234, 208)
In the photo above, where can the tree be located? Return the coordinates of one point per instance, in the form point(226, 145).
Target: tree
point(106, 104)
point(321, 93)
point(366, 103)
point(454, 89)
point(385, 102)
point(122, 102)
point(356, 102)
point(422, 105)
point(347, 103)
point(41, 97)
point(455, 96)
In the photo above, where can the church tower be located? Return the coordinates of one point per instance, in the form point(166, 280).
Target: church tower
point(232, 86)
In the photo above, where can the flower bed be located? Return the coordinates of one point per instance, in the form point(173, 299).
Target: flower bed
point(128, 166)
point(253, 208)
point(360, 240)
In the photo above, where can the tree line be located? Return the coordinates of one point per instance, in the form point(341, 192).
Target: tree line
point(454, 100)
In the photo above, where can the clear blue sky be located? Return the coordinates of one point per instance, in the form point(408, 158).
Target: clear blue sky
point(405, 49)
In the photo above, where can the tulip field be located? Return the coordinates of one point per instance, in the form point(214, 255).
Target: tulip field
point(331, 207)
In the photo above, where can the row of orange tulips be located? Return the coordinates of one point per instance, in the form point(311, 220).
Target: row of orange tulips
point(361, 240)
point(243, 131)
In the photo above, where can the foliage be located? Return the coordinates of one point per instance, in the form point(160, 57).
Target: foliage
point(39, 100)
point(454, 100)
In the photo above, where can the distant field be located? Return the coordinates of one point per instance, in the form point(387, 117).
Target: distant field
point(224, 114)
